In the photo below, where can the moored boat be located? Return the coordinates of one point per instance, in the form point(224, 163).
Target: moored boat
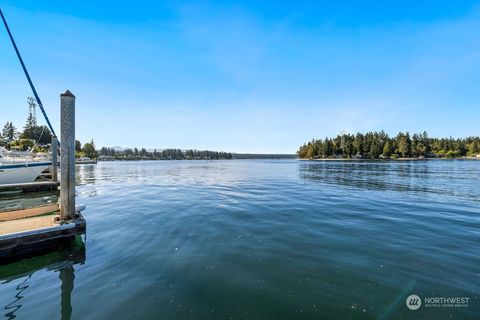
point(15, 156)
point(85, 160)
point(21, 172)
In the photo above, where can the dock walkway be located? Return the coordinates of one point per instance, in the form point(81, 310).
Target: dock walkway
point(21, 237)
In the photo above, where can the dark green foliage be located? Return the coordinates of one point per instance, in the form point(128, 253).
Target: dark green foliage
point(78, 146)
point(404, 145)
point(40, 134)
point(9, 132)
point(474, 147)
point(166, 154)
point(387, 149)
point(31, 130)
point(374, 145)
point(89, 150)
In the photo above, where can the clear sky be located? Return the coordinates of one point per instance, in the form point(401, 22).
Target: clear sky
point(251, 76)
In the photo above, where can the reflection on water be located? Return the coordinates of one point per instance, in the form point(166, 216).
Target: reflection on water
point(85, 173)
point(431, 178)
point(67, 275)
point(15, 305)
point(21, 272)
point(17, 200)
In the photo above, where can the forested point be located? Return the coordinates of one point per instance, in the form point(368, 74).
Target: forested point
point(378, 145)
point(165, 154)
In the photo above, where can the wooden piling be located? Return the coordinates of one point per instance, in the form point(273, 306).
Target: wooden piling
point(67, 156)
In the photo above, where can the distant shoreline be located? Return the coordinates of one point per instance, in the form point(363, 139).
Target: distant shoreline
point(265, 156)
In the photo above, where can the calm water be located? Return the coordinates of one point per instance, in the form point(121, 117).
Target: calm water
point(261, 240)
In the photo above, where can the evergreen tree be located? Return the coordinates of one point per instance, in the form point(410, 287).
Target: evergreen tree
point(387, 149)
point(404, 144)
point(32, 114)
point(375, 149)
point(474, 147)
point(358, 145)
point(459, 148)
point(348, 147)
point(328, 148)
point(9, 132)
point(78, 146)
point(309, 153)
point(427, 148)
point(31, 130)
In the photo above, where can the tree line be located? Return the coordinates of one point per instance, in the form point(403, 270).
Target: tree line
point(165, 154)
point(378, 145)
point(32, 136)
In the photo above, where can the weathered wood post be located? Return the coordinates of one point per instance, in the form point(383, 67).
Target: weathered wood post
point(54, 158)
point(67, 156)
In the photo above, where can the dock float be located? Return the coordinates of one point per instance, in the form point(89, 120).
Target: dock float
point(30, 187)
point(32, 236)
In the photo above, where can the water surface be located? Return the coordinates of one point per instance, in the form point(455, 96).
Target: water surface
point(245, 239)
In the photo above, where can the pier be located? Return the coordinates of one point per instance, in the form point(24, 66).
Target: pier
point(51, 220)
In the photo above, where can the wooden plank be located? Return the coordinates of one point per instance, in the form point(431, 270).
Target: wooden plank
point(26, 213)
point(28, 224)
point(35, 225)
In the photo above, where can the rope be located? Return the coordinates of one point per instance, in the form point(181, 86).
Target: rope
point(40, 137)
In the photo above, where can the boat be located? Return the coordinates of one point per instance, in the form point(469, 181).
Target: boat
point(21, 172)
point(16, 156)
point(85, 160)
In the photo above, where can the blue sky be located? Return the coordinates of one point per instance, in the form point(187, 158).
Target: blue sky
point(251, 76)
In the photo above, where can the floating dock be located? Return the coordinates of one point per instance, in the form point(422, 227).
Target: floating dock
point(30, 187)
point(37, 235)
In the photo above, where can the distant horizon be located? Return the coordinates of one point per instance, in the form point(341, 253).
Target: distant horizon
point(243, 76)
